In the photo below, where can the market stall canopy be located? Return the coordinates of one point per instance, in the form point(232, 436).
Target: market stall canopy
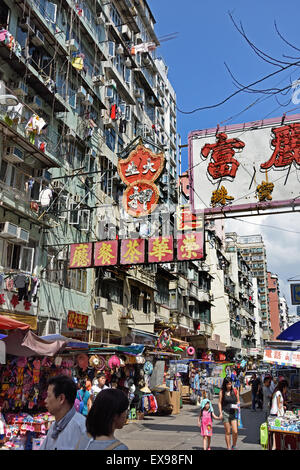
point(7, 323)
point(133, 349)
point(282, 357)
point(292, 333)
point(26, 343)
point(71, 343)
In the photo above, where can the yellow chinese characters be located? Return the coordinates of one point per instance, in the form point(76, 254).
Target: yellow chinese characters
point(160, 248)
point(106, 253)
point(220, 196)
point(264, 190)
point(132, 254)
point(189, 247)
point(81, 256)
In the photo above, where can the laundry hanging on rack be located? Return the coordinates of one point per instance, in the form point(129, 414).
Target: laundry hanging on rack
point(122, 126)
point(113, 112)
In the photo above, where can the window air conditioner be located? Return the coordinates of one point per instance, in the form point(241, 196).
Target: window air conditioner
point(21, 89)
point(151, 100)
point(27, 25)
point(108, 122)
point(58, 184)
point(88, 100)
point(77, 198)
point(62, 254)
point(38, 39)
point(137, 92)
point(98, 79)
point(14, 155)
point(22, 235)
point(138, 38)
point(9, 230)
point(81, 92)
point(101, 303)
point(100, 19)
point(73, 45)
point(126, 32)
point(111, 83)
point(70, 135)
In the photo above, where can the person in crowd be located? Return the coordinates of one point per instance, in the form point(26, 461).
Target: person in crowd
point(83, 397)
point(273, 384)
point(99, 385)
point(277, 403)
point(68, 425)
point(205, 418)
point(267, 394)
point(229, 401)
point(242, 380)
point(108, 413)
point(255, 387)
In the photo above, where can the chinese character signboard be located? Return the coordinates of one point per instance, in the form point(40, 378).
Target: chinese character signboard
point(133, 251)
point(188, 220)
point(295, 294)
point(190, 246)
point(282, 357)
point(106, 253)
point(138, 172)
point(81, 255)
point(245, 167)
point(77, 320)
point(160, 250)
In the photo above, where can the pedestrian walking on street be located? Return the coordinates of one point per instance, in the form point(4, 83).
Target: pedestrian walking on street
point(277, 403)
point(83, 400)
point(255, 388)
point(108, 413)
point(267, 395)
point(99, 384)
point(69, 425)
point(205, 418)
point(229, 401)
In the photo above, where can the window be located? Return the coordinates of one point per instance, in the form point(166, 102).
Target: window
point(73, 214)
point(110, 138)
point(162, 294)
point(4, 14)
point(135, 297)
point(77, 279)
point(17, 257)
point(56, 267)
point(146, 303)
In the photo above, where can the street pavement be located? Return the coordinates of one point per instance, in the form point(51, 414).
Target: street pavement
point(180, 432)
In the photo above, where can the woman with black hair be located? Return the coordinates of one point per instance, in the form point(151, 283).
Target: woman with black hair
point(108, 413)
point(229, 402)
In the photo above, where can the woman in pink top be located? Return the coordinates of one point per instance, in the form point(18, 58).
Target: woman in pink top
point(205, 418)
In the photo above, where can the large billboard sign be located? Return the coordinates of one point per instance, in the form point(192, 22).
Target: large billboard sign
point(295, 294)
point(248, 166)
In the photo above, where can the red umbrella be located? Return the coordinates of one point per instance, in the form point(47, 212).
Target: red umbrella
point(7, 323)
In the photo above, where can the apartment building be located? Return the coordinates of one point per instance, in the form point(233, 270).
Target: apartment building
point(284, 313)
point(87, 89)
point(274, 304)
point(254, 252)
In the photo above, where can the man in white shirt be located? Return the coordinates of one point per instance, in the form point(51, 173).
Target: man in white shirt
point(99, 385)
point(69, 425)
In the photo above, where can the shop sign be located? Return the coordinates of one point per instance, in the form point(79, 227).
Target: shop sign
point(160, 250)
point(246, 166)
point(133, 251)
point(187, 220)
point(295, 294)
point(282, 357)
point(106, 253)
point(77, 320)
point(81, 255)
point(138, 172)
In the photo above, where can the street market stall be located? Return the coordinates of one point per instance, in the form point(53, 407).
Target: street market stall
point(287, 427)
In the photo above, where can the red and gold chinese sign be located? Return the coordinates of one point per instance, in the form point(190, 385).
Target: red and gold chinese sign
point(81, 255)
point(187, 220)
point(106, 253)
point(134, 251)
point(77, 320)
point(138, 172)
point(246, 166)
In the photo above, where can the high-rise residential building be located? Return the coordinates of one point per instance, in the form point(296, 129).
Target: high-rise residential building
point(87, 88)
point(254, 252)
point(274, 304)
point(284, 311)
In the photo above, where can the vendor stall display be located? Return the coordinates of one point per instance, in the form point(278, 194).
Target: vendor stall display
point(287, 431)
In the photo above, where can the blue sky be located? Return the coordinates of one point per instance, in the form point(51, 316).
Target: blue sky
point(207, 38)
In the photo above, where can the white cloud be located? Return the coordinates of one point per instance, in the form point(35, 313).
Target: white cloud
point(282, 245)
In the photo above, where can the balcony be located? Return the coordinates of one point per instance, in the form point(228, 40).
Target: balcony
point(33, 79)
point(113, 73)
point(15, 132)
